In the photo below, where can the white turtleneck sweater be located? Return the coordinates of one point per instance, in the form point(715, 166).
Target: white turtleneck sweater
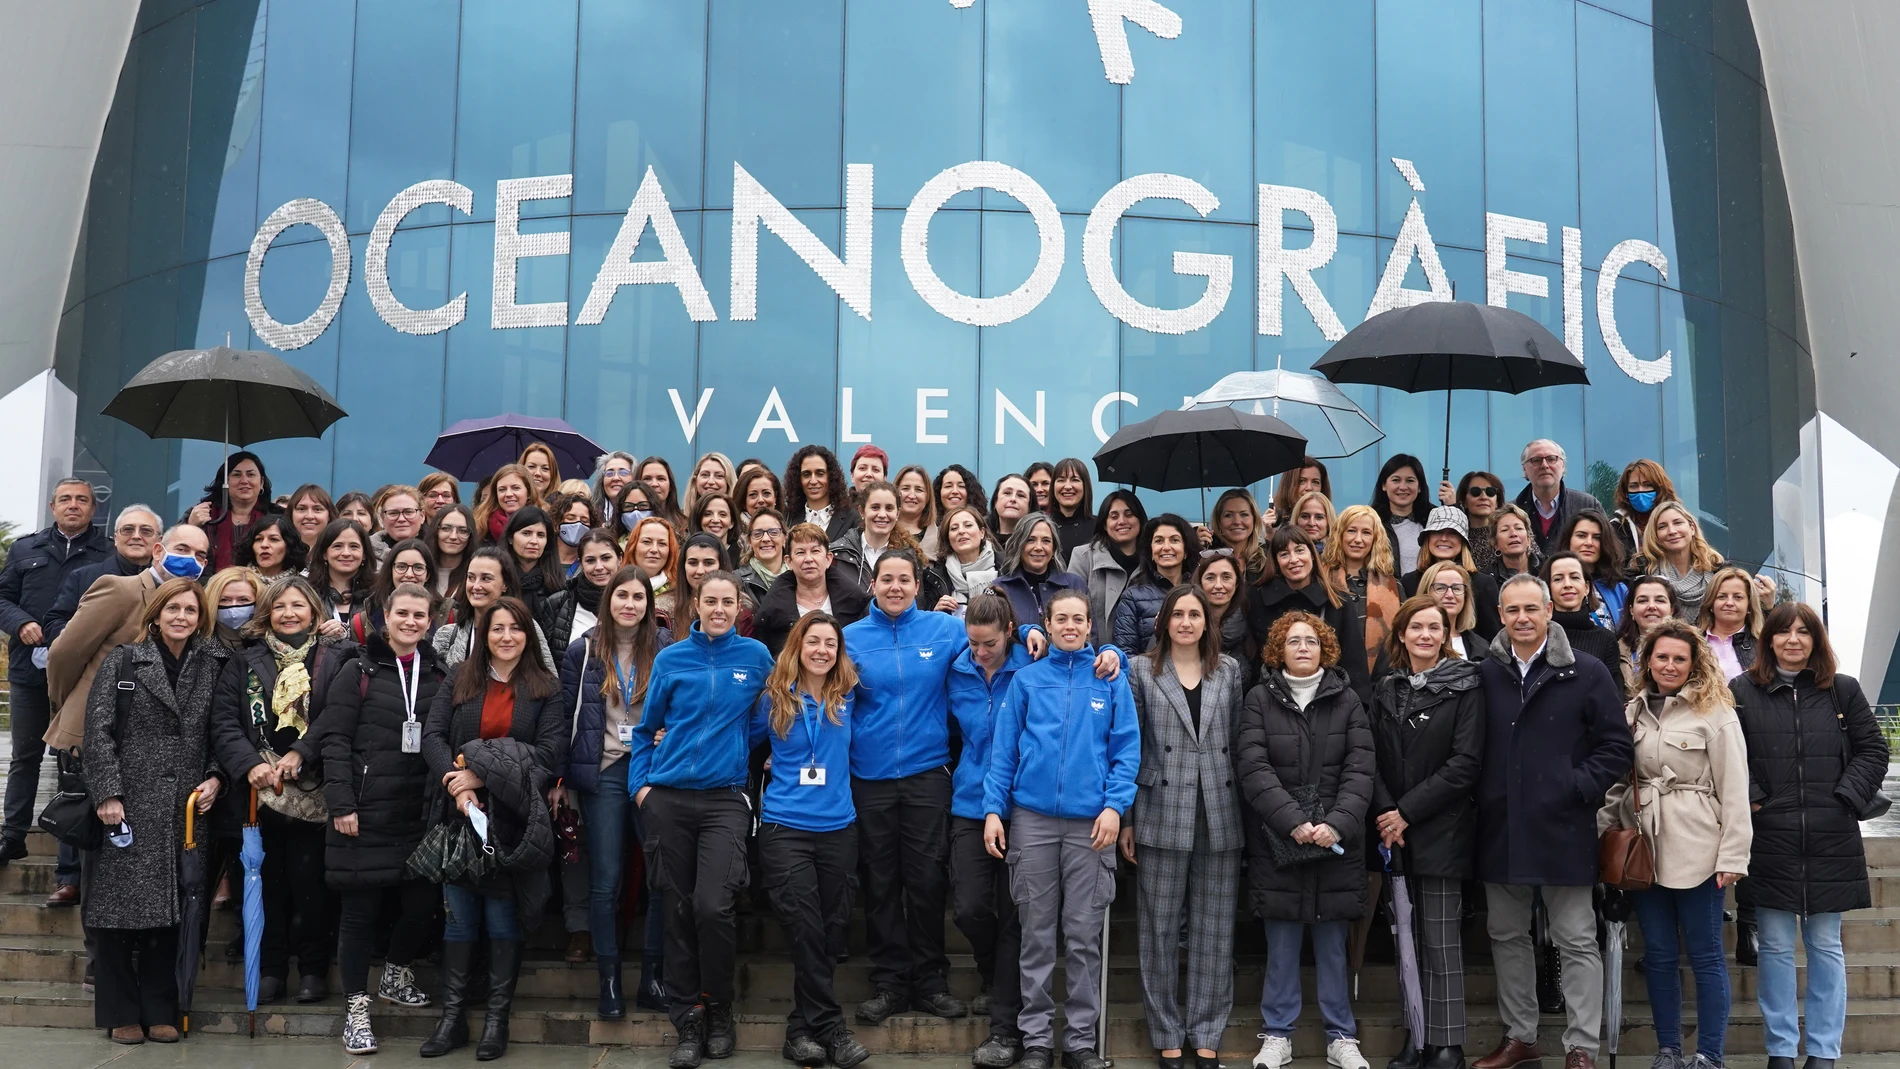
point(1304, 688)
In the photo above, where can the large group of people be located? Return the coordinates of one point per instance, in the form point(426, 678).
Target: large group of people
point(847, 685)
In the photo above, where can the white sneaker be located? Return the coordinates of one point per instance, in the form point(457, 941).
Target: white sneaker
point(1344, 1053)
point(1276, 1051)
point(357, 1037)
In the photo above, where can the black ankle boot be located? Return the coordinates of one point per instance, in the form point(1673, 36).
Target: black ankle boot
point(451, 1031)
point(503, 959)
point(652, 994)
point(613, 1002)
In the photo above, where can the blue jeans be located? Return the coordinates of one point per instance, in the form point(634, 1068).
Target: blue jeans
point(469, 912)
point(1280, 994)
point(1697, 914)
point(1827, 982)
point(607, 814)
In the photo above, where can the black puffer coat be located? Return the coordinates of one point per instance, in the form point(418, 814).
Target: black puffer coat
point(1429, 733)
point(365, 771)
point(1815, 757)
point(1588, 636)
point(1270, 601)
point(540, 722)
point(1132, 621)
point(1275, 740)
point(514, 794)
point(560, 610)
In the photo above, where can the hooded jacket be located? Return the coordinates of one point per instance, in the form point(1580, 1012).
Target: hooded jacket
point(974, 701)
point(1553, 746)
point(794, 797)
point(1066, 744)
point(903, 700)
point(1428, 731)
point(702, 693)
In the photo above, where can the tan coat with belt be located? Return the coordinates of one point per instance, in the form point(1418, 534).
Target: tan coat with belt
point(107, 617)
point(1692, 777)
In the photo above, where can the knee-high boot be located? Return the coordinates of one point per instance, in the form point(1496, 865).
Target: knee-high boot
point(504, 958)
point(451, 1031)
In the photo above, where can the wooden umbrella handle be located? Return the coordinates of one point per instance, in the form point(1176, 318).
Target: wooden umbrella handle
point(191, 821)
point(253, 805)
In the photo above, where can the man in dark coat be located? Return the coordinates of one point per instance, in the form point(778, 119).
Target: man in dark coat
point(1555, 740)
point(36, 566)
point(1545, 498)
point(813, 579)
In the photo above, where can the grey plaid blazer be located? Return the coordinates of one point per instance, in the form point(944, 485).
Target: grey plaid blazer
point(1181, 772)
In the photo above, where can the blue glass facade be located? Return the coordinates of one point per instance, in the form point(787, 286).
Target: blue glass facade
point(1614, 120)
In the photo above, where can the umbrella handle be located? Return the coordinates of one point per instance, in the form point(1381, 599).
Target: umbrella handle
point(191, 821)
point(253, 807)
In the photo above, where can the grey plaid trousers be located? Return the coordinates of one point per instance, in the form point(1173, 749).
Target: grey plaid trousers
point(1206, 885)
point(1441, 963)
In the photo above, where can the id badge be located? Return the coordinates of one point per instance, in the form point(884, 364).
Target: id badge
point(411, 736)
point(625, 732)
point(811, 776)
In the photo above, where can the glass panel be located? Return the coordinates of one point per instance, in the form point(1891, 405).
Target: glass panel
point(402, 119)
point(913, 94)
point(1686, 166)
point(1313, 102)
point(1048, 108)
point(515, 370)
point(306, 107)
point(1431, 112)
point(1530, 115)
point(222, 200)
point(1623, 418)
point(157, 222)
point(1190, 112)
point(515, 104)
point(631, 116)
point(906, 347)
point(1616, 134)
point(1348, 282)
point(775, 100)
point(391, 383)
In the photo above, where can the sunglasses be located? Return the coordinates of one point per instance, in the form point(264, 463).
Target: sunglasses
point(1482, 491)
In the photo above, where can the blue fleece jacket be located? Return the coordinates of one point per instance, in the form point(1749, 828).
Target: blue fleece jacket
point(903, 705)
point(1066, 744)
point(974, 702)
point(701, 691)
point(792, 796)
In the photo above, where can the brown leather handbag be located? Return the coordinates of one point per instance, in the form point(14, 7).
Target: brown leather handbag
point(1626, 859)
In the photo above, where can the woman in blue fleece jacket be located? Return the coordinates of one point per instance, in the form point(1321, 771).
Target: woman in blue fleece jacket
point(690, 788)
point(808, 844)
point(1063, 760)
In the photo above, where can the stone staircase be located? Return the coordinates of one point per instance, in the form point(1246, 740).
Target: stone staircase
point(42, 962)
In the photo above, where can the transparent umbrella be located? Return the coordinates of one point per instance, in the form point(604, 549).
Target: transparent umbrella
point(1329, 420)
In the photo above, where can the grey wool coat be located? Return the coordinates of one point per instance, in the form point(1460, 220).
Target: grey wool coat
point(153, 763)
point(1182, 772)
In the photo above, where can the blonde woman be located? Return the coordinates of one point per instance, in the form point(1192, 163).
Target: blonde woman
point(1731, 618)
point(1691, 802)
point(1676, 551)
point(1313, 515)
point(712, 474)
point(1451, 587)
point(544, 470)
point(1358, 559)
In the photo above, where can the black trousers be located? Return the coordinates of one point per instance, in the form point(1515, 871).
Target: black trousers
point(903, 844)
point(135, 977)
point(362, 907)
point(298, 910)
point(696, 861)
point(985, 912)
point(30, 709)
point(808, 874)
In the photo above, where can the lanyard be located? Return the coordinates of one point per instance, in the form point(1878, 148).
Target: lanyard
point(626, 683)
point(808, 718)
point(409, 683)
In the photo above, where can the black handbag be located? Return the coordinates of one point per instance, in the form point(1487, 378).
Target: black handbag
point(1877, 805)
point(71, 816)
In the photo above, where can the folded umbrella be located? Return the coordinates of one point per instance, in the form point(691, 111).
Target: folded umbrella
point(191, 913)
point(472, 449)
point(252, 855)
point(1616, 912)
point(1411, 990)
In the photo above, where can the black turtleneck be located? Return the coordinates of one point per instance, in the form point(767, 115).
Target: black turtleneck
point(1128, 561)
point(173, 663)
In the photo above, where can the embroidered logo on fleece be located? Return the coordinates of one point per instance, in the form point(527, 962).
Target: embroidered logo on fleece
point(926, 653)
point(739, 675)
point(1098, 704)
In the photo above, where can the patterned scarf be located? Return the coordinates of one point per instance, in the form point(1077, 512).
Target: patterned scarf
point(290, 697)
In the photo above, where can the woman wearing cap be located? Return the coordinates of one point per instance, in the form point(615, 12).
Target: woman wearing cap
point(1446, 537)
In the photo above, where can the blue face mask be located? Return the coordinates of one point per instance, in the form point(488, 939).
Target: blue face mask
point(1643, 500)
point(236, 616)
point(184, 566)
point(632, 517)
point(572, 533)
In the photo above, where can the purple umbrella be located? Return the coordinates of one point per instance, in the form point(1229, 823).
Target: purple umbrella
point(474, 448)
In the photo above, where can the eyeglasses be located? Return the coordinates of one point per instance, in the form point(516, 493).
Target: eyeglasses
point(401, 514)
point(1541, 461)
point(1448, 588)
point(1481, 491)
point(141, 530)
point(1302, 641)
point(618, 473)
point(768, 532)
point(409, 569)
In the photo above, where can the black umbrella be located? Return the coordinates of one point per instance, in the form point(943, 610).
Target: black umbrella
point(220, 394)
point(191, 913)
point(1452, 345)
point(1198, 448)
